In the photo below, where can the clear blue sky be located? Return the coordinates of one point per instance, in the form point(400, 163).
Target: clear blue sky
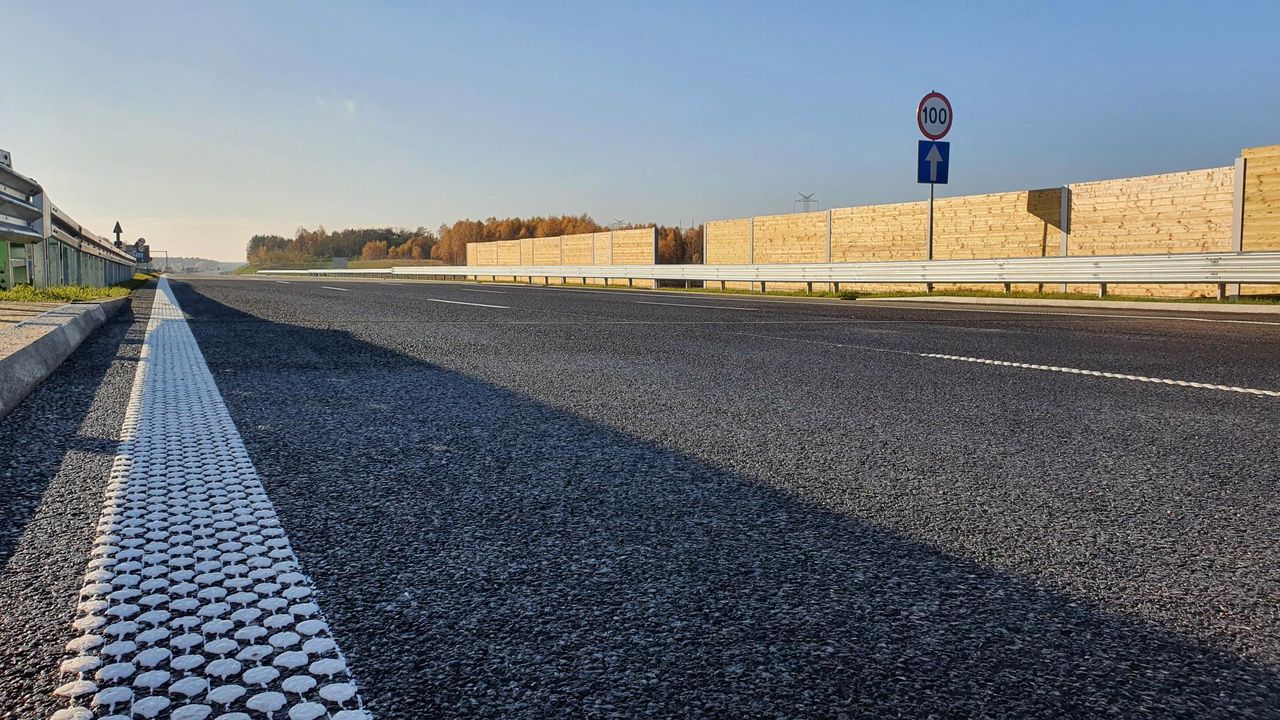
point(197, 124)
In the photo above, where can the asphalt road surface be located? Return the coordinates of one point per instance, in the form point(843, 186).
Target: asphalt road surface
point(526, 502)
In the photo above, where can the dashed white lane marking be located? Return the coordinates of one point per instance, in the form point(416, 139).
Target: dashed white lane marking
point(459, 302)
point(495, 292)
point(1024, 366)
point(692, 305)
point(194, 605)
point(283, 282)
point(328, 287)
point(1100, 373)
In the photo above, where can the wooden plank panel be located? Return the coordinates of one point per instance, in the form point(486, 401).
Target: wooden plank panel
point(1261, 229)
point(728, 242)
point(635, 247)
point(577, 249)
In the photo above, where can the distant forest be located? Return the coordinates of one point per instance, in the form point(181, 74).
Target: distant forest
point(198, 264)
point(449, 243)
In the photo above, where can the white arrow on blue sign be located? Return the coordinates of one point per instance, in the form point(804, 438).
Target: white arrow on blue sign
point(932, 162)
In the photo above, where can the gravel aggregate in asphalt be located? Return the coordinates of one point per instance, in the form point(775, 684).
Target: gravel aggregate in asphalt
point(57, 447)
point(583, 506)
point(586, 506)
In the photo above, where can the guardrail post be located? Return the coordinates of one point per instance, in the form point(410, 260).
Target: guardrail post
point(1102, 290)
point(1237, 222)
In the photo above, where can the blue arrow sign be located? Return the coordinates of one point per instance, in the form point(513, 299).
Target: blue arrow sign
point(932, 162)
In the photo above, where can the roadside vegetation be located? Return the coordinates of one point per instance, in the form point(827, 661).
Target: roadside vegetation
point(313, 249)
point(73, 293)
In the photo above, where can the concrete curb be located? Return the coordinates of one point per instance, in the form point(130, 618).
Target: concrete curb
point(1242, 308)
point(31, 350)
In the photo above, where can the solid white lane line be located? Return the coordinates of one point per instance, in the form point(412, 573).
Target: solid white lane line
point(193, 602)
point(495, 292)
point(1024, 366)
point(459, 302)
point(327, 287)
point(708, 307)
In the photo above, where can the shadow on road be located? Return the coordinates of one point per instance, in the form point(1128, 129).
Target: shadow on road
point(482, 554)
point(49, 428)
point(57, 447)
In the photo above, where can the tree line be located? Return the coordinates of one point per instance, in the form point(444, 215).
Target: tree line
point(309, 246)
point(449, 243)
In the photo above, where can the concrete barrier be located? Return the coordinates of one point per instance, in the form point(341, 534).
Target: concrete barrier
point(33, 349)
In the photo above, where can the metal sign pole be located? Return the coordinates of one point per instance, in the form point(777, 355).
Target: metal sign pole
point(928, 249)
point(934, 117)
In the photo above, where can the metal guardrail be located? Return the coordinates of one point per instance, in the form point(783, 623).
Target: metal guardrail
point(1217, 268)
point(42, 245)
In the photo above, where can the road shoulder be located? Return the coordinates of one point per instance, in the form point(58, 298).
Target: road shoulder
point(31, 350)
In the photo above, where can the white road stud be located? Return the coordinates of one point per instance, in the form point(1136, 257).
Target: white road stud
point(194, 605)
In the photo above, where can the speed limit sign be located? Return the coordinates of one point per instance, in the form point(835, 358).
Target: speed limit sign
point(934, 116)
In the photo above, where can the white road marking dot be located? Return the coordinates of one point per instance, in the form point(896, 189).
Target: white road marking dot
point(189, 554)
point(708, 307)
point(329, 287)
point(459, 302)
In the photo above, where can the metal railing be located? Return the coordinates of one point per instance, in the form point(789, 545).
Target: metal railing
point(41, 245)
point(1216, 268)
